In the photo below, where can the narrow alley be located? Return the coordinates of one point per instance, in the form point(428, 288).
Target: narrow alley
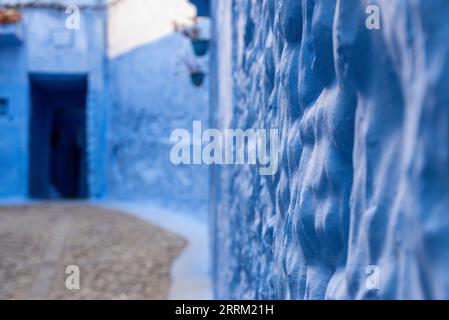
point(119, 256)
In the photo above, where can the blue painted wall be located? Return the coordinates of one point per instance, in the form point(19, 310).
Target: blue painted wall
point(133, 103)
point(151, 95)
point(14, 140)
point(49, 48)
point(363, 117)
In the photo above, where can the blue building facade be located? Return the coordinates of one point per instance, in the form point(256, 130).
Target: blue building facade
point(151, 95)
point(77, 122)
point(359, 206)
point(51, 62)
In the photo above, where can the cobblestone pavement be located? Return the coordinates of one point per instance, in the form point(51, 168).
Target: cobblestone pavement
point(119, 256)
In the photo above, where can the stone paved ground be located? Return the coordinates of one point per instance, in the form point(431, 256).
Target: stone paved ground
point(119, 256)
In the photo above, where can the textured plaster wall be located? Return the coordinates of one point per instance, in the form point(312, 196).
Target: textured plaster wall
point(48, 48)
point(363, 119)
point(151, 94)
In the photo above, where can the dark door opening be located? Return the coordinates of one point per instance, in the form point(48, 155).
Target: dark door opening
point(57, 165)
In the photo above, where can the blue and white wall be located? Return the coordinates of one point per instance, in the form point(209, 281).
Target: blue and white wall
point(151, 95)
point(363, 117)
point(49, 48)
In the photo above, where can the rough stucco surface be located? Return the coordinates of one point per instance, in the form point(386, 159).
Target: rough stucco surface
point(364, 164)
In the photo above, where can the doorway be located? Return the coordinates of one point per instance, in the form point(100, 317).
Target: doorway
point(57, 161)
